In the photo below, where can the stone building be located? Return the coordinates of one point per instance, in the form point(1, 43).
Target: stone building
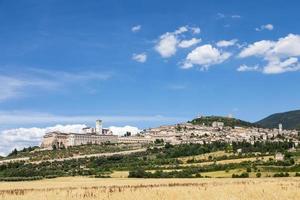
point(96, 135)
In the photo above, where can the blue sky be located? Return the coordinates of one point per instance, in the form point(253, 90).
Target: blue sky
point(146, 63)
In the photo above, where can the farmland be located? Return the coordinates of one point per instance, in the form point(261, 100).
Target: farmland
point(191, 171)
point(91, 188)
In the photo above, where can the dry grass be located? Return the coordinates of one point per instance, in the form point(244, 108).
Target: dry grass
point(119, 174)
point(146, 189)
point(205, 156)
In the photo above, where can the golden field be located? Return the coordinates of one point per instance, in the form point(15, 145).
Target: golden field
point(83, 188)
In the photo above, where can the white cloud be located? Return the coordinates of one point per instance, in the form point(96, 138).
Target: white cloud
point(166, 46)
point(16, 85)
point(181, 30)
point(235, 16)
point(226, 43)
point(188, 43)
point(277, 67)
point(24, 137)
point(12, 87)
point(257, 48)
point(205, 56)
point(281, 55)
point(136, 28)
point(245, 68)
point(220, 15)
point(18, 118)
point(195, 30)
point(269, 27)
point(287, 46)
point(169, 41)
point(64, 76)
point(122, 130)
point(140, 57)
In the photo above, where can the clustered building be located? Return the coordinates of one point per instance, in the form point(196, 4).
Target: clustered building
point(190, 133)
point(175, 134)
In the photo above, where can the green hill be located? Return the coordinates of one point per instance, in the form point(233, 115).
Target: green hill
point(208, 120)
point(289, 120)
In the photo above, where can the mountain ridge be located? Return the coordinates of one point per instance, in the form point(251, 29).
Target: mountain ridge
point(289, 120)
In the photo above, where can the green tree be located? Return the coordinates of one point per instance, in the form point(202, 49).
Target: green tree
point(258, 175)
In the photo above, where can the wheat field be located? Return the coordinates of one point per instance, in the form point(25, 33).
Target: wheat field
point(148, 189)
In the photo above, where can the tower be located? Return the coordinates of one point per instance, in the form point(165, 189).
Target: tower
point(280, 128)
point(98, 127)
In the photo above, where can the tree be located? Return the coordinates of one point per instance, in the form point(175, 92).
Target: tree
point(13, 153)
point(258, 175)
point(248, 169)
point(168, 145)
point(159, 141)
point(127, 134)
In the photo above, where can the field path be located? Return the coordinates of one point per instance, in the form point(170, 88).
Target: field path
point(14, 160)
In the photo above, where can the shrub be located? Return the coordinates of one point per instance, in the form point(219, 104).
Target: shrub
point(242, 175)
point(198, 176)
point(248, 169)
point(281, 174)
point(13, 179)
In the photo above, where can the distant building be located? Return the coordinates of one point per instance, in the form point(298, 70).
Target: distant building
point(279, 157)
point(218, 125)
point(135, 140)
point(90, 135)
point(280, 128)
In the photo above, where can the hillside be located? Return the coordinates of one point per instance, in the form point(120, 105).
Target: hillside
point(208, 120)
point(289, 120)
point(166, 161)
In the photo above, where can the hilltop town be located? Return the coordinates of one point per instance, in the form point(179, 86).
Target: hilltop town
point(207, 146)
point(202, 130)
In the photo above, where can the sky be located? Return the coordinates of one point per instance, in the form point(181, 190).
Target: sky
point(66, 63)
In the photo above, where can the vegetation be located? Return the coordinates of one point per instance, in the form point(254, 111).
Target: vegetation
point(36, 155)
point(281, 174)
point(242, 175)
point(13, 179)
point(168, 161)
point(262, 147)
point(232, 122)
